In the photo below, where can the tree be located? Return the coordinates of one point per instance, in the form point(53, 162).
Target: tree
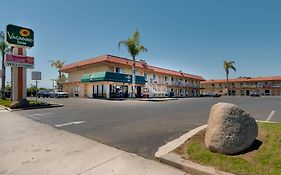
point(60, 80)
point(134, 48)
point(3, 49)
point(227, 66)
point(58, 64)
point(31, 91)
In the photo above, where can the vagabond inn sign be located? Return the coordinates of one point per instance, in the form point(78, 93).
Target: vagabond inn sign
point(19, 36)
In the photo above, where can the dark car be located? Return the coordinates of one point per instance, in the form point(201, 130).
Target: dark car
point(43, 93)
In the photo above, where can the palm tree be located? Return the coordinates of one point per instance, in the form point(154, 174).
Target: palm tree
point(227, 66)
point(58, 64)
point(3, 49)
point(134, 48)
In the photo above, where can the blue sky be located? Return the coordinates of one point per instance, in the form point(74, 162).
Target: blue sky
point(190, 35)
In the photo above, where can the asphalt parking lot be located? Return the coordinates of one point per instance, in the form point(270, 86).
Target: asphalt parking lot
point(140, 126)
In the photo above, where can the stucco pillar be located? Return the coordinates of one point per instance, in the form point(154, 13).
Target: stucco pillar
point(19, 81)
point(107, 91)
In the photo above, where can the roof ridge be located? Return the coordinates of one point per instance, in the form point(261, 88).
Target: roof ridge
point(155, 66)
point(106, 57)
point(260, 78)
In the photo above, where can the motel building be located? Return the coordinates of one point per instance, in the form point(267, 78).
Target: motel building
point(244, 86)
point(109, 76)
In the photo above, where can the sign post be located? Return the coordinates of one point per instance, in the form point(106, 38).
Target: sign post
point(36, 76)
point(19, 39)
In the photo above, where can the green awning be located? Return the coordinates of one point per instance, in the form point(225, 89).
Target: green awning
point(111, 76)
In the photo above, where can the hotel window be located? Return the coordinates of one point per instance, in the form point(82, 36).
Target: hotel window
point(172, 79)
point(118, 70)
point(76, 89)
point(165, 78)
point(267, 92)
point(154, 77)
point(145, 76)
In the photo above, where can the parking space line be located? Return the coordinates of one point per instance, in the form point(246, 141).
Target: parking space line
point(270, 115)
point(40, 114)
point(70, 123)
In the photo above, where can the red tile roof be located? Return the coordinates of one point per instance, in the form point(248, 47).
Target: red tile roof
point(244, 79)
point(125, 61)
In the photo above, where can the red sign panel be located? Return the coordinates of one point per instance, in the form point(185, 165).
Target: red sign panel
point(19, 61)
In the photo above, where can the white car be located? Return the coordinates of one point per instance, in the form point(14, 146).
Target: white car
point(255, 94)
point(58, 94)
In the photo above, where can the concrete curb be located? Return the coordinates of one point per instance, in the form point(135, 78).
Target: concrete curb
point(175, 160)
point(33, 107)
point(38, 107)
point(264, 121)
point(165, 155)
point(165, 149)
point(5, 108)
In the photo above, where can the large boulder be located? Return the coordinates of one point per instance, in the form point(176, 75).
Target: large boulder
point(23, 103)
point(230, 129)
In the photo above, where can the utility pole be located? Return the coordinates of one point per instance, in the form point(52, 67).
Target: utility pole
point(36, 81)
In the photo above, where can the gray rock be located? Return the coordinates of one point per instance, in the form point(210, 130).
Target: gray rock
point(23, 103)
point(230, 129)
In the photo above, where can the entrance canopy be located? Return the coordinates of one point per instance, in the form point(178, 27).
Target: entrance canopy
point(111, 76)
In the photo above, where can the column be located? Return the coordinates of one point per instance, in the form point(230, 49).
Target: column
point(107, 91)
point(19, 81)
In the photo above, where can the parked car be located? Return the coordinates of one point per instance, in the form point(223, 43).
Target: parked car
point(7, 94)
point(58, 94)
point(43, 93)
point(212, 94)
point(254, 94)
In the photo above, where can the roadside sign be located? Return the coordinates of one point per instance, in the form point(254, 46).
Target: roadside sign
point(35, 75)
point(19, 36)
point(19, 61)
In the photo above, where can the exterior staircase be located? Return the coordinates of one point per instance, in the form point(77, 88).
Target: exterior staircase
point(153, 90)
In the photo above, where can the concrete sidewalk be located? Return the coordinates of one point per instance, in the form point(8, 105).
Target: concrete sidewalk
point(28, 147)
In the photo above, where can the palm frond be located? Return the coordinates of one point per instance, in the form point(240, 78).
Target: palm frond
point(136, 37)
point(57, 63)
point(124, 43)
point(4, 48)
point(142, 48)
point(133, 44)
point(229, 65)
point(2, 36)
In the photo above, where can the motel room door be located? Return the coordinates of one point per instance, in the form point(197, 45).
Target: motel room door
point(138, 91)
